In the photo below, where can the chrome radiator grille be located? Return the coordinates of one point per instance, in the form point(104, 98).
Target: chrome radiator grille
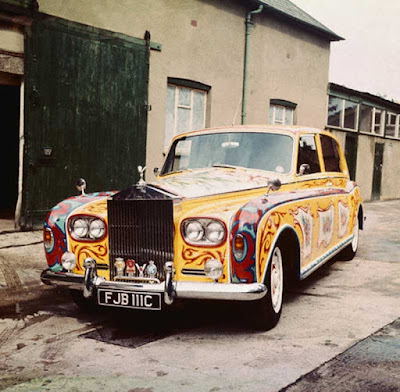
point(141, 230)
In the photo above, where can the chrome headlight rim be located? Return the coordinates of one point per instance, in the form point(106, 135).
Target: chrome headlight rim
point(87, 221)
point(205, 222)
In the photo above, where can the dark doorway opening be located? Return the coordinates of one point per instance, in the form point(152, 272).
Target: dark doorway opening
point(377, 175)
point(351, 148)
point(9, 157)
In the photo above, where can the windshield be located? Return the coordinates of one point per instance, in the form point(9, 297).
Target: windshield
point(253, 150)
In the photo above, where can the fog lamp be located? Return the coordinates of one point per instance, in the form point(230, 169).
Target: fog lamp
point(213, 269)
point(68, 261)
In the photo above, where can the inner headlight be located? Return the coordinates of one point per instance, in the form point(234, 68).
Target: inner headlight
point(194, 231)
point(97, 229)
point(80, 228)
point(203, 231)
point(215, 231)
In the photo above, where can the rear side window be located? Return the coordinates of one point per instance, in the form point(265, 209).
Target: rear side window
point(308, 154)
point(330, 152)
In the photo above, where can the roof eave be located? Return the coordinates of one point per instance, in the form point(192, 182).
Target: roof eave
point(329, 35)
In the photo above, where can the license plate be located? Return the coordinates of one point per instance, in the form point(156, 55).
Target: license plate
point(129, 299)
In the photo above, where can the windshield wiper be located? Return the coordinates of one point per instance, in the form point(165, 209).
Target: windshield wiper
point(225, 166)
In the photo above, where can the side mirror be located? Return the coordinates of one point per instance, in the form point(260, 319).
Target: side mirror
point(274, 184)
point(304, 169)
point(81, 186)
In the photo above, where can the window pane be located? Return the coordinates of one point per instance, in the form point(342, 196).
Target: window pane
point(278, 115)
point(334, 111)
point(350, 115)
point(390, 124)
point(365, 118)
point(288, 116)
point(170, 115)
point(184, 96)
point(273, 152)
point(330, 152)
point(183, 123)
point(308, 154)
point(198, 110)
point(377, 121)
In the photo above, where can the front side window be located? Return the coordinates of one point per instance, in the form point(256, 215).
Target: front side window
point(279, 114)
point(253, 150)
point(186, 111)
point(330, 152)
point(307, 155)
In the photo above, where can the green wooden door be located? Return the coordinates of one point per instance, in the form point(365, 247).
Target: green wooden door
point(85, 112)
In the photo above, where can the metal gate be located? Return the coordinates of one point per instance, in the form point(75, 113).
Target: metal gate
point(85, 111)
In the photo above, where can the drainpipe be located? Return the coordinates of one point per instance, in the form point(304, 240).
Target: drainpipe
point(248, 24)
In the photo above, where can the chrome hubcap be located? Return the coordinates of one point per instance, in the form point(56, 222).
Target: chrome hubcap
point(276, 280)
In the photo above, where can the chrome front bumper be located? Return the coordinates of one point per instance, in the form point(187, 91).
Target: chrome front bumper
point(170, 288)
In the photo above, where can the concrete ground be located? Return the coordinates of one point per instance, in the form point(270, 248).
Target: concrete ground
point(339, 330)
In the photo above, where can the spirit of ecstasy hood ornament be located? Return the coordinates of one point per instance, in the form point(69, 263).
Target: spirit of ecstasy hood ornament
point(141, 170)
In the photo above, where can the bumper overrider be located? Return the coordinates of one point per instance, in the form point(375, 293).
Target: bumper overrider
point(170, 289)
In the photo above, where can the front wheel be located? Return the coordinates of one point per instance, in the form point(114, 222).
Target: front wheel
point(84, 304)
point(269, 308)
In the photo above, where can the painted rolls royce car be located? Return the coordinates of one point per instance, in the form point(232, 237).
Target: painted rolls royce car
point(235, 214)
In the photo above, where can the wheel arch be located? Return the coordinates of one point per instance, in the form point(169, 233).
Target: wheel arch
point(360, 217)
point(289, 243)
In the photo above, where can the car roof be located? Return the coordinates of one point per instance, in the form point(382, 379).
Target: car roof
point(285, 129)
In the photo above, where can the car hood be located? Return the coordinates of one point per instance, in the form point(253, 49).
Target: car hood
point(208, 182)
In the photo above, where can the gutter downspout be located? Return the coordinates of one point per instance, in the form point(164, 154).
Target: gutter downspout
point(248, 24)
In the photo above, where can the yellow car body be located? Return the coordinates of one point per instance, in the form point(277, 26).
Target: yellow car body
point(259, 227)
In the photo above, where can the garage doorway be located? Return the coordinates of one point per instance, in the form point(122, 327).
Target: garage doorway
point(9, 157)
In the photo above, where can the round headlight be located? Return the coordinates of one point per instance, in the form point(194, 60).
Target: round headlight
point(80, 228)
point(97, 229)
point(215, 232)
point(68, 261)
point(194, 231)
point(213, 269)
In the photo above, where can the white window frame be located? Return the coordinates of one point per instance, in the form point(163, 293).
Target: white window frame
point(187, 107)
point(381, 124)
point(342, 114)
point(396, 125)
point(274, 106)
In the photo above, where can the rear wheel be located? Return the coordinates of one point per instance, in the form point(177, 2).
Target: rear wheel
point(350, 251)
point(269, 308)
